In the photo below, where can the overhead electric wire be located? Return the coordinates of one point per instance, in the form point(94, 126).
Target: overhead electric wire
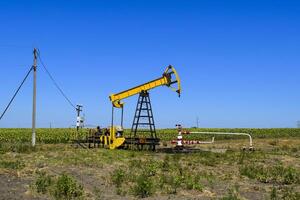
point(15, 94)
point(54, 82)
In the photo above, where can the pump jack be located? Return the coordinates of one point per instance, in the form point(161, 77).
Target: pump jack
point(143, 121)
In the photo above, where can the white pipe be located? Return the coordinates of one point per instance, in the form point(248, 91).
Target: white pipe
point(224, 133)
point(208, 142)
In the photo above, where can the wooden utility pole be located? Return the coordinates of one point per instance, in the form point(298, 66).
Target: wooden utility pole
point(34, 96)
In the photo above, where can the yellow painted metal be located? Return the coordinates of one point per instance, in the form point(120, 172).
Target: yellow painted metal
point(165, 80)
point(117, 142)
point(111, 141)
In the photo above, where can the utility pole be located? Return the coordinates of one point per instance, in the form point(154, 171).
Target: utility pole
point(197, 122)
point(34, 96)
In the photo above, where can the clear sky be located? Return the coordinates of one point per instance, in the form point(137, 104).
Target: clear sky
point(238, 60)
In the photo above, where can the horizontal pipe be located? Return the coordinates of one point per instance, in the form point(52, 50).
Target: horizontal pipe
point(194, 141)
point(224, 133)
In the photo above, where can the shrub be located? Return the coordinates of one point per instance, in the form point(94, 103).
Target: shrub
point(151, 168)
point(117, 177)
point(43, 182)
point(143, 186)
point(66, 187)
point(193, 183)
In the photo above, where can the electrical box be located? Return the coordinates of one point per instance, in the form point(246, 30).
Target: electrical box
point(80, 122)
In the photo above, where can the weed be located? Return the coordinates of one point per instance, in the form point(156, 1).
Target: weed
point(135, 163)
point(209, 158)
point(143, 187)
point(289, 175)
point(42, 183)
point(241, 157)
point(66, 187)
point(193, 182)
point(277, 174)
point(294, 149)
point(22, 147)
point(166, 163)
point(132, 154)
point(274, 195)
point(12, 164)
point(232, 194)
point(98, 193)
point(151, 168)
point(117, 177)
point(274, 142)
point(170, 182)
point(290, 194)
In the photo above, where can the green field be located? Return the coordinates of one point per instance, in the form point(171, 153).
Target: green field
point(65, 135)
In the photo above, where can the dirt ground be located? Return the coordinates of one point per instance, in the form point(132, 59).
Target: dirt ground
point(220, 163)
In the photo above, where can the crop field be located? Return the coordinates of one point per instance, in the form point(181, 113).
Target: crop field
point(56, 169)
point(65, 135)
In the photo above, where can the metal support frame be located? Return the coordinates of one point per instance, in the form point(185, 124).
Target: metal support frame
point(143, 120)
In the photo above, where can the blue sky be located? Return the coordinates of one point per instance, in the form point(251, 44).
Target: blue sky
point(238, 60)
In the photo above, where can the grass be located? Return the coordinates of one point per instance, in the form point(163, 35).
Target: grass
point(60, 187)
point(232, 194)
point(271, 174)
point(70, 173)
point(15, 165)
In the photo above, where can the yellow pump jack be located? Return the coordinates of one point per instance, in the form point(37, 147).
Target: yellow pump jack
point(115, 138)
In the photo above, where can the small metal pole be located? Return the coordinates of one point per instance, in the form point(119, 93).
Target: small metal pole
point(34, 96)
point(122, 116)
point(112, 117)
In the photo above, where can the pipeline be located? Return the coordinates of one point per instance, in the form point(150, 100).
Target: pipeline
point(224, 133)
point(194, 141)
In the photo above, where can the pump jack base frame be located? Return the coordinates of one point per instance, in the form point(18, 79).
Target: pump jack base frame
point(140, 143)
point(179, 149)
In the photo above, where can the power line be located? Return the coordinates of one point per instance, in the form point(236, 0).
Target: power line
point(54, 82)
point(17, 91)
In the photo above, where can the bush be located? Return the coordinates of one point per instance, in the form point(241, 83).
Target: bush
point(117, 177)
point(43, 182)
point(66, 187)
point(193, 183)
point(143, 186)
